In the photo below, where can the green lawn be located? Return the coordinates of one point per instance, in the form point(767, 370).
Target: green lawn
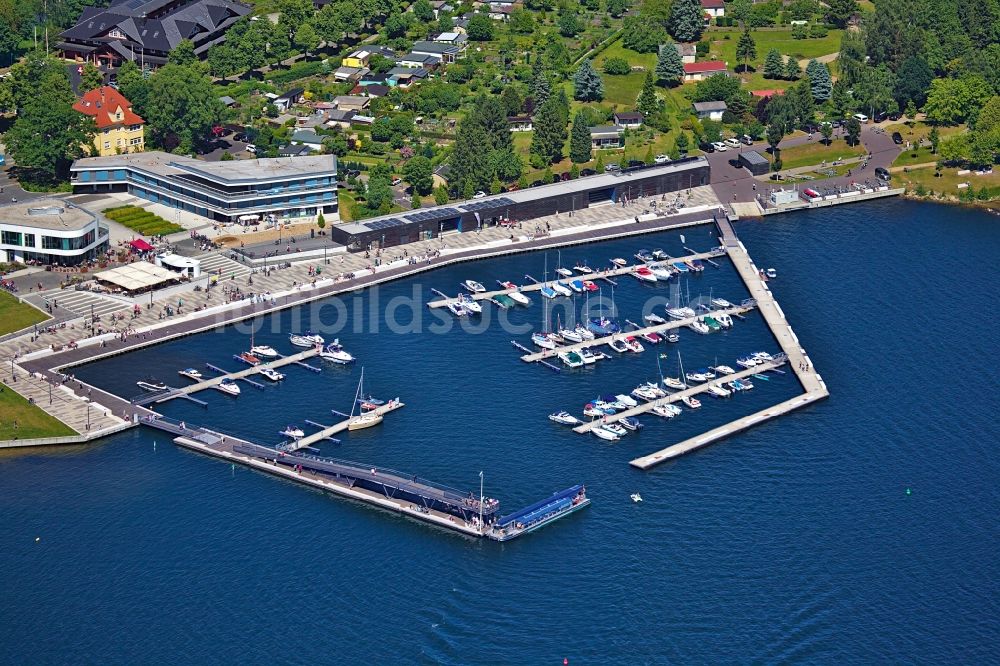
point(948, 182)
point(808, 154)
point(32, 422)
point(15, 315)
point(623, 90)
point(725, 49)
point(914, 133)
point(141, 220)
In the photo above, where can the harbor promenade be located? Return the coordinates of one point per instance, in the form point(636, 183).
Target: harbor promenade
point(797, 359)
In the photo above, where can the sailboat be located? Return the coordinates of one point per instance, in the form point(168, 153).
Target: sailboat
point(545, 338)
point(565, 272)
point(675, 383)
point(366, 419)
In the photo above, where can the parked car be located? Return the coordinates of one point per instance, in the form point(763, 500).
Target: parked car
point(661, 159)
point(706, 147)
point(897, 138)
point(882, 173)
point(632, 164)
point(719, 147)
point(747, 139)
point(241, 137)
point(610, 167)
point(860, 117)
point(251, 148)
point(588, 172)
point(733, 142)
point(479, 195)
point(396, 181)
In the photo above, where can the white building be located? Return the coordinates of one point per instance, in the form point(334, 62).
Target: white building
point(50, 231)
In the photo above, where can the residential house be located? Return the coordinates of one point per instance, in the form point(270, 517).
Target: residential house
point(628, 120)
point(308, 138)
point(698, 71)
point(341, 119)
point(351, 102)
point(501, 11)
point(357, 59)
point(519, 123)
point(710, 110)
point(372, 79)
point(607, 136)
point(362, 120)
point(294, 150)
point(404, 77)
point(351, 74)
point(150, 29)
point(374, 90)
point(119, 129)
point(289, 99)
point(459, 39)
point(446, 53)
point(419, 61)
point(714, 8)
point(687, 52)
point(227, 101)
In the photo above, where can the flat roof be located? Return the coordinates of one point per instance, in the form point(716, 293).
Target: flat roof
point(561, 188)
point(46, 213)
point(753, 157)
point(233, 172)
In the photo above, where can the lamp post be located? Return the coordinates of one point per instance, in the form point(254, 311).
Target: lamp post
point(88, 416)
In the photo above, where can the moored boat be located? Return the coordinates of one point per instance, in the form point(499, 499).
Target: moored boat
point(576, 285)
point(718, 391)
point(548, 292)
point(293, 431)
point(680, 266)
point(229, 386)
point(711, 323)
point(570, 334)
point(191, 373)
point(571, 359)
point(335, 352)
point(724, 370)
point(667, 411)
point(697, 377)
point(504, 301)
point(515, 293)
point(471, 305)
point(264, 351)
point(631, 423)
point(560, 289)
point(634, 345)
point(564, 418)
point(543, 340)
point(626, 400)
point(644, 256)
point(473, 287)
point(619, 262)
point(654, 319)
point(151, 385)
point(660, 255)
point(660, 272)
point(673, 337)
point(590, 285)
point(675, 383)
point(583, 269)
point(724, 320)
point(307, 339)
point(643, 274)
point(565, 272)
point(618, 345)
point(603, 326)
point(249, 358)
point(699, 327)
point(605, 434)
point(588, 356)
point(771, 273)
point(272, 374)
point(456, 308)
point(721, 303)
point(691, 401)
point(582, 331)
point(747, 362)
point(646, 393)
point(681, 313)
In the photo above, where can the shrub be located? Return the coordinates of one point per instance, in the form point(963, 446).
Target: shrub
point(617, 66)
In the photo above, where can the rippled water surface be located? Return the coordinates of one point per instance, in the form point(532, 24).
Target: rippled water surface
point(862, 529)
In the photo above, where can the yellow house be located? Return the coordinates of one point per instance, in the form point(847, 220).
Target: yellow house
point(357, 59)
point(119, 129)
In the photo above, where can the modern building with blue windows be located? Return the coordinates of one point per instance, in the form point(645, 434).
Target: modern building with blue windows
point(233, 191)
point(50, 231)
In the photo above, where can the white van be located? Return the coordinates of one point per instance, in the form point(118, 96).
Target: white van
point(860, 117)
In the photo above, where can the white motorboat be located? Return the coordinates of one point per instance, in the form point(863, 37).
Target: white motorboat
point(762, 356)
point(672, 337)
point(565, 272)
point(592, 411)
point(660, 255)
point(543, 340)
point(272, 374)
point(615, 428)
point(619, 262)
point(626, 400)
point(470, 305)
point(560, 289)
point(724, 370)
point(564, 418)
point(570, 359)
point(667, 411)
point(691, 401)
point(708, 373)
point(588, 356)
point(618, 345)
point(661, 272)
point(191, 373)
point(151, 385)
point(265, 351)
point(697, 377)
point(293, 431)
point(699, 327)
point(456, 308)
point(306, 340)
point(680, 313)
point(721, 303)
point(474, 287)
point(605, 434)
point(229, 386)
point(583, 269)
point(645, 393)
point(335, 352)
point(514, 293)
point(746, 383)
point(634, 345)
point(609, 407)
point(643, 274)
point(584, 332)
point(747, 362)
point(654, 319)
point(771, 273)
point(674, 383)
point(636, 497)
point(570, 334)
point(724, 320)
point(735, 386)
point(654, 389)
point(718, 391)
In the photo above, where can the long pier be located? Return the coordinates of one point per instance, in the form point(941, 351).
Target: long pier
point(798, 360)
point(597, 275)
point(328, 432)
point(746, 306)
point(215, 381)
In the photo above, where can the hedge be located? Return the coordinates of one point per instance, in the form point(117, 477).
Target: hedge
point(141, 220)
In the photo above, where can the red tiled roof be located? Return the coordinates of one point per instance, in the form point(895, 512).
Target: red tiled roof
point(706, 66)
point(766, 93)
point(101, 103)
point(713, 4)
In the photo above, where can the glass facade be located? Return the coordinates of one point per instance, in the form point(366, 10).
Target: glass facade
point(10, 238)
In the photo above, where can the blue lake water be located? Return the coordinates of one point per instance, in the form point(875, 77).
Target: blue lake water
point(794, 541)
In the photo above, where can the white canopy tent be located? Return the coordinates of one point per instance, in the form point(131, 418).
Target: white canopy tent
point(139, 276)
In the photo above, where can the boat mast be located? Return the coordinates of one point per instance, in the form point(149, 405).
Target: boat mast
point(480, 501)
point(357, 394)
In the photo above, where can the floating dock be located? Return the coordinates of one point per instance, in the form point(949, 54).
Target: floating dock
point(599, 275)
point(389, 489)
point(329, 431)
point(795, 356)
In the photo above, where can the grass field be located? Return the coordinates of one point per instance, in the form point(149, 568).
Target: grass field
point(915, 133)
point(948, 182)
point(15, 315)
point(725, 49)
point(808, 154)
point(141, 220)
point(31, 421)
point(623, 90)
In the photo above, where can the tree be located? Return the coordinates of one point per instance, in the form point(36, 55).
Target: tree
point(506, 165)
point(306, 38)
point(853, 131)
point(90, 78)
point(826, 129)
point(132, 84)
point(521, 22)
point(48, 134)
point(440, 195)
point(951, 101)
point(491, 116)
point(935, 138)
point(512, 100)
point(839, 12)
point(686, 20)
point(320, 220)
point(841, 102)
point(419, 173)
point(851, 61)
point(550, 132)
point(587, 84)
point(875, 90)
point(800, 100)
point(294, 13)
point(423, 10)
point(775, 133)
point(642, 36)
point(820, 80)
point(648, 104)
point(470, 161)
point(540, 86)
point(480, 28)
point(774, 65)
point(579, 139)
point(335, 145)
point(792, 69)
point(617, 8)
point(183, 53)
point(912, 81)
point(682, 142)
point(617, 66)
point(669, 67)
point(739, 10)
point(223, 61)
point(186, 107)
point(746, 48)
point(396, 26)
point(568, 24)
